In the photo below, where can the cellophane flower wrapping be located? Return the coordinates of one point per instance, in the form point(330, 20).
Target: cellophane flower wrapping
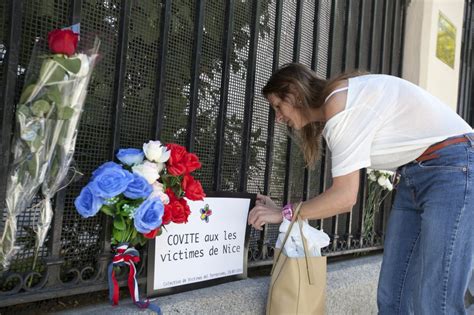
point(47, 119)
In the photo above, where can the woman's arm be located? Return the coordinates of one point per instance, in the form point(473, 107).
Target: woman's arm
point(339, 198)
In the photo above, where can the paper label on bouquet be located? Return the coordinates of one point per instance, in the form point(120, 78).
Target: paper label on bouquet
point(76, 28)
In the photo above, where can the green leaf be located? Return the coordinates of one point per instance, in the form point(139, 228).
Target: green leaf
point(33, 166)
point(40, 108)
point(136, 202)
point(141, 239)
point(70, 64)
point(119, 235)
point(25, 95)
point(65, 113)
point(107, 210)
point(54, 96)
point(51, 72)
point(134, 233)
point(37, 143)
point(119, 205)
point(54, 168)
point(23, 109)
point(119, 223)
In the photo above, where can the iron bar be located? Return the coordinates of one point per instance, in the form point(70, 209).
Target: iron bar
point(384, 36)
point(194, 90)
point(289, 145)
point(117, 102)
point(7, 96)
point(403, 13)
point(387, 37)
point(396, 39)
point(54, 259)
point(159, 106)
point(76, 9)
point(226, 55)
point(271, 123)
point(376, 46)
point(249, 94)
point(271, 112)
point(466, 63)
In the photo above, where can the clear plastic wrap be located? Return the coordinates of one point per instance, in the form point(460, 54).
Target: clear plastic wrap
point(47, 119)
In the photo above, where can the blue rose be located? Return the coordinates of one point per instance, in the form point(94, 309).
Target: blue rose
point(105, 166)
point(110, 182)
point(138, 188)
point(148, 215)
point(130, 156)
point(88, 204)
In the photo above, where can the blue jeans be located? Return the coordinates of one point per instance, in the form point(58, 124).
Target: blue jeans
point(428, 247)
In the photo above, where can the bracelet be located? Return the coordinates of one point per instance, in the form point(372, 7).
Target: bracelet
point(288, 211)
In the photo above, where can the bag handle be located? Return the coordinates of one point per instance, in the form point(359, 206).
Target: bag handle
point(306, 252)
point(296, 216)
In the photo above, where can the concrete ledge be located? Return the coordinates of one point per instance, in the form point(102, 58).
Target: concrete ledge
point(351, 289)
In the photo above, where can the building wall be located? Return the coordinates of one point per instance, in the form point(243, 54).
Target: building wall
point(421, 66)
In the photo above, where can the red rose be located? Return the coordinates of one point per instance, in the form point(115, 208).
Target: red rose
point(167, 216)
point(63, 42)
point(192, 188)
point(176, 164)
point(178, 152)
point(177, 169)
point(192, 162)
point(152, 234)
point(179, 210)
point(171, 194)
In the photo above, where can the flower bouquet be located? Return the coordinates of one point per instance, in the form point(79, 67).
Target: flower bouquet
point(380, 184)
point(143, 193)
point(47, 118)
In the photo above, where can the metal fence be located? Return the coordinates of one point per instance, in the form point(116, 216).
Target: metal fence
point(189, 72)
point(466, 80)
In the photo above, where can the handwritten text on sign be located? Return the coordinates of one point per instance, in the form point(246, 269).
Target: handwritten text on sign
point(209, 246)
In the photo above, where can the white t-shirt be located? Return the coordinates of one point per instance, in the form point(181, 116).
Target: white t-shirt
point(387, 122)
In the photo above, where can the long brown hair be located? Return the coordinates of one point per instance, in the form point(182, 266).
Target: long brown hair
point(311, 91)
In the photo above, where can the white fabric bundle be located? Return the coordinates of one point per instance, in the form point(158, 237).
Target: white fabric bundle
point(315, 239)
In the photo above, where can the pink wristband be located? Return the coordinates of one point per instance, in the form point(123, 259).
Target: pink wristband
point(288, 211)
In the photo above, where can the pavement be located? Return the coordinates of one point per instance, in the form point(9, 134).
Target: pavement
point(351, 289)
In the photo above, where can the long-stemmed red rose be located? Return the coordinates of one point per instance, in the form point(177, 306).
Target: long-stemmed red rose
point(63, 42)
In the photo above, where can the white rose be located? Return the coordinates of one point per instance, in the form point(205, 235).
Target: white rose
point(147, 170)
point(388, 173)
point(160, 166)
point(372, 177)
point(381, 181)
point(389, 186)
point(158, 191)
point(156, 152)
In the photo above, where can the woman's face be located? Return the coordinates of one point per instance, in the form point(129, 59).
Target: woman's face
point(286, 111)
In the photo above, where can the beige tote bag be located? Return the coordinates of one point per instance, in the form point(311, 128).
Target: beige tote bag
point(298, 285)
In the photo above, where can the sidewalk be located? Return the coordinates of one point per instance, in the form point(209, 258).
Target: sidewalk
point(351, 289)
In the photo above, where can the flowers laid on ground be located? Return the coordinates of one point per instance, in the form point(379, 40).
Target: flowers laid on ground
point(379, 185)
point(47, 118)
point(144, 192)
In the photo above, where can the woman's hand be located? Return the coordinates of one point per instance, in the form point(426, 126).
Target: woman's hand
point(265, 211)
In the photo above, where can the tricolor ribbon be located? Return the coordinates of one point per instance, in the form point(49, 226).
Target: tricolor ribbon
point(127, 256)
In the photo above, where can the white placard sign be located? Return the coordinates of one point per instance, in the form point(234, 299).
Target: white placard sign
point(211, 245)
